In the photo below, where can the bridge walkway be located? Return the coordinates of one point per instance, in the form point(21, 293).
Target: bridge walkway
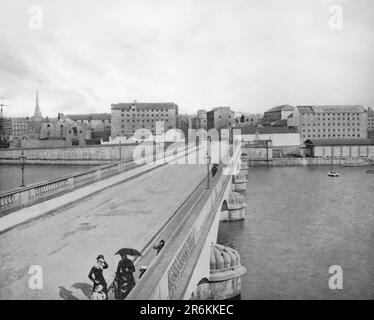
point(66, 242)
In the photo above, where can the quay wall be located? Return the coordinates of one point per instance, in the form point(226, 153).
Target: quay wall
point(84, 155)
point(311, 162)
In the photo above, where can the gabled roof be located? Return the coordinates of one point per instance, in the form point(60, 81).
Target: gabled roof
point(331, 108)
point(285, 107)
point(280, 123)
point(89, 116)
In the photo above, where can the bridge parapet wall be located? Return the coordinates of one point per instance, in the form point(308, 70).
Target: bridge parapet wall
point(176, 271)
point(25, 196)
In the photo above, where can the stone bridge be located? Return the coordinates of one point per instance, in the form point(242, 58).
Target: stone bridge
point(136, 207)
point(192, 265)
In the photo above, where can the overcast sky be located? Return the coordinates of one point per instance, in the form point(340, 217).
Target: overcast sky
point(247, 54)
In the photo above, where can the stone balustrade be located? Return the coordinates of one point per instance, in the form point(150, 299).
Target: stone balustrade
point(21, 197)
point(167, 274)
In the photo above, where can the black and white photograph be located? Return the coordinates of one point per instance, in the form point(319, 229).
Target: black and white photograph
point(208, 151)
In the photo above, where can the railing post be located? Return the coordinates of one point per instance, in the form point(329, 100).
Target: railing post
point(70, 183)
point(98, 174)
point(23, 198)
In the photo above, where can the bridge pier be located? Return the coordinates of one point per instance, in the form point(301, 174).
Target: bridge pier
point(239, 183)
point(235, 209)
point(224, 281)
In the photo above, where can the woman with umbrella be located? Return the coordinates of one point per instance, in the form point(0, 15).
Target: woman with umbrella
point(124, 279)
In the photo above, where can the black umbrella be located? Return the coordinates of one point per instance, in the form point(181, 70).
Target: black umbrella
point(129, 252)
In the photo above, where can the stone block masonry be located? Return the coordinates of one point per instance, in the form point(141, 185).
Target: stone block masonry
point(88, 155)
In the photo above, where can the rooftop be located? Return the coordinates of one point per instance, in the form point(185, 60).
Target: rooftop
point(285, 107)
point(280, 123)
point(144, 105)
point(341, 142)
point(331, 108)
point(267, 130)
point(89, 116)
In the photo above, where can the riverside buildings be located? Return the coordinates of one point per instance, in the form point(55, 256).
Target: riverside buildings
point(370, 115)
point(126, 118)
point(278, 113)
point(323, 122)
point(100, 123)
point(97, 121)
point(199, 122)
point(246, 119)
point(64, 132)
point(26, 128)
point(220, 118)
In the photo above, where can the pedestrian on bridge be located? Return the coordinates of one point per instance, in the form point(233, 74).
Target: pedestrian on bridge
point(124, 280)
point(159, 246)
point(96, 275)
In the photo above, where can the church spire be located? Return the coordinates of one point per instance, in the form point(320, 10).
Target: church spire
point(37, 112)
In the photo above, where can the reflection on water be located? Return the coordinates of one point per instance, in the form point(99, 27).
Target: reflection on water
point(10, 175)
point(299, 222)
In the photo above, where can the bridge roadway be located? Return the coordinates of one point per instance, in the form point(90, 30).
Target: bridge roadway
point(66, 243)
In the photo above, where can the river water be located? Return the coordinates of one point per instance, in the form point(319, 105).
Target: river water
point(299, 222)
point(10, 175)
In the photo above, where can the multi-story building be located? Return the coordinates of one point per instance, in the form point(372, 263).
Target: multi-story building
point(219, 118)
point(199, 122)
point(5, 132)
point(100, 123)
point(247, 119)
point(323, 122)
point(128, 117)
point(73, 133)
point(278, 113)
point(97, 121)
point(25, 127)
point(370, 115)
point(184, 122)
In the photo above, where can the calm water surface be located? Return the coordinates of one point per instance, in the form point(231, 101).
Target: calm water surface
point(10, 175)
point(299, 222)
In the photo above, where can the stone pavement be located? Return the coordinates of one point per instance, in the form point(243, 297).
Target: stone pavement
point(66, 242)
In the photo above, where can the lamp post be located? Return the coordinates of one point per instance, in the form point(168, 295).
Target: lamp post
point(119, 150)
point(208, 157)
point(22, 158)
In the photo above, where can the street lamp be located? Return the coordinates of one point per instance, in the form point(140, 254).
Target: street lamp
point(208, 157)
point(119, 150)
point(22, 158)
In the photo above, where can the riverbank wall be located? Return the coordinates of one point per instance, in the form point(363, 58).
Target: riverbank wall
point(289, 162)
point(84, 155)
